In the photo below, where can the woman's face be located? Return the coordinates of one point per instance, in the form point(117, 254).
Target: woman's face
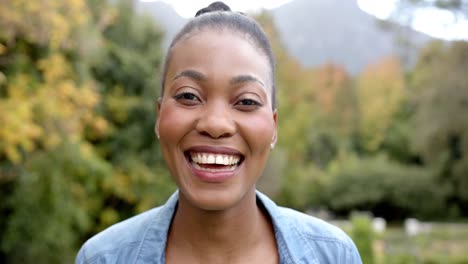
point(215, 121)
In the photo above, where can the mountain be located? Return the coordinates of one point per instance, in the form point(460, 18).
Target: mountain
point(165, 15)
point(316, 32)
point(320, 31)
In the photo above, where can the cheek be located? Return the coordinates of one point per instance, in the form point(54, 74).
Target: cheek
point(173, 125)
point(259, 131)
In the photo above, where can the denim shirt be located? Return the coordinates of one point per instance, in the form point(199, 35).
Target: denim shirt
point(142, 239)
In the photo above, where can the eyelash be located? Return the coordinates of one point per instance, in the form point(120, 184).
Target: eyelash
point(184, 95)
point(251, 102)
point(247, 104)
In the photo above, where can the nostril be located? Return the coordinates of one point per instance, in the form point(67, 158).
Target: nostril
point(224, 135)
point(204, 133)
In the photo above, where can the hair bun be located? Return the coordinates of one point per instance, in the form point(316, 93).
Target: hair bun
point(213, 7)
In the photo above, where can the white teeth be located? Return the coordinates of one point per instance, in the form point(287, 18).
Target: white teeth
point(225, 169)
point(210, 158)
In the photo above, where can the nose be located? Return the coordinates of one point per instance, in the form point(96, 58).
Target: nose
point(216, 121)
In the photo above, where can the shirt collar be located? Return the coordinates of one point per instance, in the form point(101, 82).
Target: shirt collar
point(154, 242)
point(292, 247)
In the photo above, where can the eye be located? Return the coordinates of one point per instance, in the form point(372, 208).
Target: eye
point(187, 98)
point(248, 104)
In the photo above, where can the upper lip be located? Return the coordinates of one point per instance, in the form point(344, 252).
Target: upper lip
point(214, 150)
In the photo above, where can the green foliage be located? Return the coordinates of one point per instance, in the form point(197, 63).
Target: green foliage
point(381, 92)
point(363, 236)
point(401, 259)
point(443, 243)
point(312, 128)
point(56, 198)
point(294, 96)
point(385, 131)
point(78, 92)
point(440, 125)
point(127, 74)
point(388, 189)
point(303, 187)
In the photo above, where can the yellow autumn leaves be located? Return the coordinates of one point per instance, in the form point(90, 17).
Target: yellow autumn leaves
point(51, 22)
point(41, 112)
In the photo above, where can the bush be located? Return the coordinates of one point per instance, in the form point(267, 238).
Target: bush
point(363, 236)
point(386, 188)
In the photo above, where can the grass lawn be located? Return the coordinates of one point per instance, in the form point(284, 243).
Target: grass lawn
point(442, 243)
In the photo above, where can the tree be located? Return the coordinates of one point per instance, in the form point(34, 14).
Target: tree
point(381, 92)
point(385, 187)
point(440, 126)
point(336, 114)
point(78, 89)
point(128, 74)
point(297, 178)
point(48, 170)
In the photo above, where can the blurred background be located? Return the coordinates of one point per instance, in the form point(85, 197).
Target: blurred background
point(373, 121)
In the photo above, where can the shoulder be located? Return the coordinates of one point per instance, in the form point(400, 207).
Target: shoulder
point(328, 243)
point(122, 239)
point(136, 239)
point(306, 239)
point(315, 229)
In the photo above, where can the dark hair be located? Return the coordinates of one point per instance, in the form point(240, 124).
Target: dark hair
point(219, 16)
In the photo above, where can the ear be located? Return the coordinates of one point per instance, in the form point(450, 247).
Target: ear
point(156, 125)
point(274, 139)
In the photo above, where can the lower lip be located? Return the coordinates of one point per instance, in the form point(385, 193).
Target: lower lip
point(214, 177)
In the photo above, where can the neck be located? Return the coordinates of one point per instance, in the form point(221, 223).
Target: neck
point(212, 234)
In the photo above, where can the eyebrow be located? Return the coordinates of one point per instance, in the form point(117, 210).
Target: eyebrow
point(198, 76)
point(245, 78)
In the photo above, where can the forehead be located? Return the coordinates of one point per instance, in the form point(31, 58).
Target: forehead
point(220, 52)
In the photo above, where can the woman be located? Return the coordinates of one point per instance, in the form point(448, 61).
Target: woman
point(217, 123)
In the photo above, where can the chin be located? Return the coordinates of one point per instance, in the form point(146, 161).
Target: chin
point(215, 200)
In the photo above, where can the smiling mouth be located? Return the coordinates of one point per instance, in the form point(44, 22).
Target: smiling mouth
point(214, 162)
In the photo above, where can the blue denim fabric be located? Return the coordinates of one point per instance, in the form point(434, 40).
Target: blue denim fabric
point(301, 239)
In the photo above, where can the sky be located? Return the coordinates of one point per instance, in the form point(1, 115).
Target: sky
point(434, 22)
point(188, 9)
